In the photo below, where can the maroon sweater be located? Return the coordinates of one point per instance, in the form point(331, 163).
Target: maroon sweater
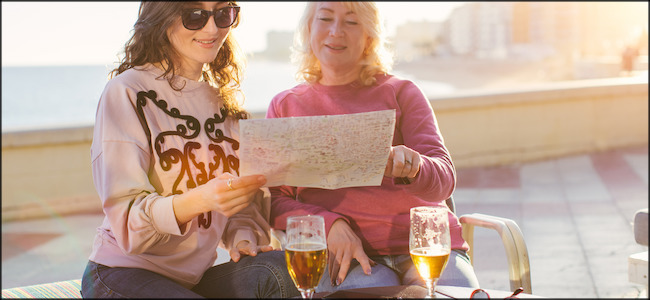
point(379, 215)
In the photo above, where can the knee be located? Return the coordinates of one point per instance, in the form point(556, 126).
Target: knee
point(272, 260)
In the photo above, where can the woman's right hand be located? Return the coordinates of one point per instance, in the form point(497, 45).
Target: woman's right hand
point(217, 195)
point(229, 199)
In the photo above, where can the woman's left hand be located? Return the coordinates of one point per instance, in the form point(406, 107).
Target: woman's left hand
point(247, 248)
point(403, 162)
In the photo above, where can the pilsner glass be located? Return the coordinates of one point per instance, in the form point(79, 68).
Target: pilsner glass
point(429, 243)
point(306, 252)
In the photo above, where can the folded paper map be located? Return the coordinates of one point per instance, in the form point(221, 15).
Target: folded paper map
point(327, 152)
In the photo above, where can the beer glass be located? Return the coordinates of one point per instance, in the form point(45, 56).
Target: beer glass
point(306, 252)
point(429, 243)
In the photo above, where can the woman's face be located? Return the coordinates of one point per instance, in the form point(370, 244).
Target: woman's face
point(197, 47)
point(336, 37)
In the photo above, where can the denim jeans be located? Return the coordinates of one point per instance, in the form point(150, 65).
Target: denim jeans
point(261, 276)
point(399, 269)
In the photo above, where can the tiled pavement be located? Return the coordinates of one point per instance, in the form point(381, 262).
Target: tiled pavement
point(575, 213)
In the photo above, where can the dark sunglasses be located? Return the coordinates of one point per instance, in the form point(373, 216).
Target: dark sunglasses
point(196, 18)
point(482, 294)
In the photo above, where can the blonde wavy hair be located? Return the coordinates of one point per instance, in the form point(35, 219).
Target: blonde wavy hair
point(377, 59)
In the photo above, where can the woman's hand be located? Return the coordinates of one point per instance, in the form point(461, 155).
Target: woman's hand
point(247, 248)
point(230, 194)
point(403, 162)
point(225, 194)
point(344, 245)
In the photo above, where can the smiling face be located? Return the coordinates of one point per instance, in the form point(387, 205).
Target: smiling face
point(197, 47)
point(337, 40)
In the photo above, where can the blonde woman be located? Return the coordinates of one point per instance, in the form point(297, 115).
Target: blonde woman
point(165, 165)
point(344, 66)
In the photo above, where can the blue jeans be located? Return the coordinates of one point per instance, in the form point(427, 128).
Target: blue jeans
point(400, 270)
point(261, 276)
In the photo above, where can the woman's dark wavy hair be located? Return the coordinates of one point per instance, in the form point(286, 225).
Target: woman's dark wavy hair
point(149, 44)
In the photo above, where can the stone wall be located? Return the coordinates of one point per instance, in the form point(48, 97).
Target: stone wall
point(47, 172)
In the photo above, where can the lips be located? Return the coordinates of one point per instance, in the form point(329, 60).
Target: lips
point(206, 42)
point(335, 47)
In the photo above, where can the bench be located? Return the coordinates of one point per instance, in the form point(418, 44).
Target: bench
point(61, 289)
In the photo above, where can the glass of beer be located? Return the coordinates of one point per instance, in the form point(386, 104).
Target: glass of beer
point(306, 252)
point(429, 243)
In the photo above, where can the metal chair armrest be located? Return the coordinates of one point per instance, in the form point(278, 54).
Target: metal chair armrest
point(513, 242)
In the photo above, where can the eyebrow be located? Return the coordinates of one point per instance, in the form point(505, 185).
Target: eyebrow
point(332, 11)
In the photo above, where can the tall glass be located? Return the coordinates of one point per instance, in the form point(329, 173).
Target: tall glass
point(306, 252)
point(429, 243)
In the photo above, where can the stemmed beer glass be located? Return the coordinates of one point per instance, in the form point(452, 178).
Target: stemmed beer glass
point(429, 243)
point(306, 252)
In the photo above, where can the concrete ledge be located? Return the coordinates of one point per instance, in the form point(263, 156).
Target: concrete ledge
point(48, 171)
point(559, 119)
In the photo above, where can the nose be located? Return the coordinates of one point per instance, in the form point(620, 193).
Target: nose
point(211, 26)
point(336, 29)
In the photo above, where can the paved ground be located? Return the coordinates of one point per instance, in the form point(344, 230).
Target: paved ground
point(575, 213)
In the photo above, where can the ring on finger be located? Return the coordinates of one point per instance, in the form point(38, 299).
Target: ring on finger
point(229, 183)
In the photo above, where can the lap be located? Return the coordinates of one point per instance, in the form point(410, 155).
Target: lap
point(261, 276)
point(399, 270)
point(100, 281)
point(380, 275)
point(264, 275)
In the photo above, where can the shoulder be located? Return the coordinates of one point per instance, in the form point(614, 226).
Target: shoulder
point(292, 93)
point(134, 75)
point(395, 82)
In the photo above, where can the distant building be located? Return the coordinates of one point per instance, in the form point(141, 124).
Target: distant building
point(415, 40)
point(535, 30)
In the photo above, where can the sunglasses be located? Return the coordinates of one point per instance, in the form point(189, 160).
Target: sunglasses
point(196, 18)
point(482, 294)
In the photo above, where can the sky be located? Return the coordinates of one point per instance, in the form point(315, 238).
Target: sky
point(93, 33)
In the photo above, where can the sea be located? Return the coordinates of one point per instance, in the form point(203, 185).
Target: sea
point(41, 97)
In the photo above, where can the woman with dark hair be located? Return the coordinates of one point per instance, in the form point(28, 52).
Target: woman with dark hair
point(165, 166)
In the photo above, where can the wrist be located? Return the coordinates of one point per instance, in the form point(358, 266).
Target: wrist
point(186, 208)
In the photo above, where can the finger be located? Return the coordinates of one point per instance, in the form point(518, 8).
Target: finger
point(252, 181)
point(398, 164)
point(230, 207)
point(252, 249)
point(335, 267)
point(343, 271)
point(408, 166)
point(416, 167)
point(365, 263)
point(235, 207)
point(266, 248)
point(234, 255)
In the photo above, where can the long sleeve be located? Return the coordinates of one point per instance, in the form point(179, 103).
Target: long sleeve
point(251, 223)
point(418, 130)
point(139, 217)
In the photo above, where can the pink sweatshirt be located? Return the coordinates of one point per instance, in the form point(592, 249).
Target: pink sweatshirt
point(378, 215)
point(149, 144)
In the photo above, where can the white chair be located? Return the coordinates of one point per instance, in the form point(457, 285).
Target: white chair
point(638, 262)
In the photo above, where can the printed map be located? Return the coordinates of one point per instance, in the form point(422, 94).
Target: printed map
point(327, 152)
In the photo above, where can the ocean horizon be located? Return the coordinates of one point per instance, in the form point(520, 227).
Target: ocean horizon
point(43, 97)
